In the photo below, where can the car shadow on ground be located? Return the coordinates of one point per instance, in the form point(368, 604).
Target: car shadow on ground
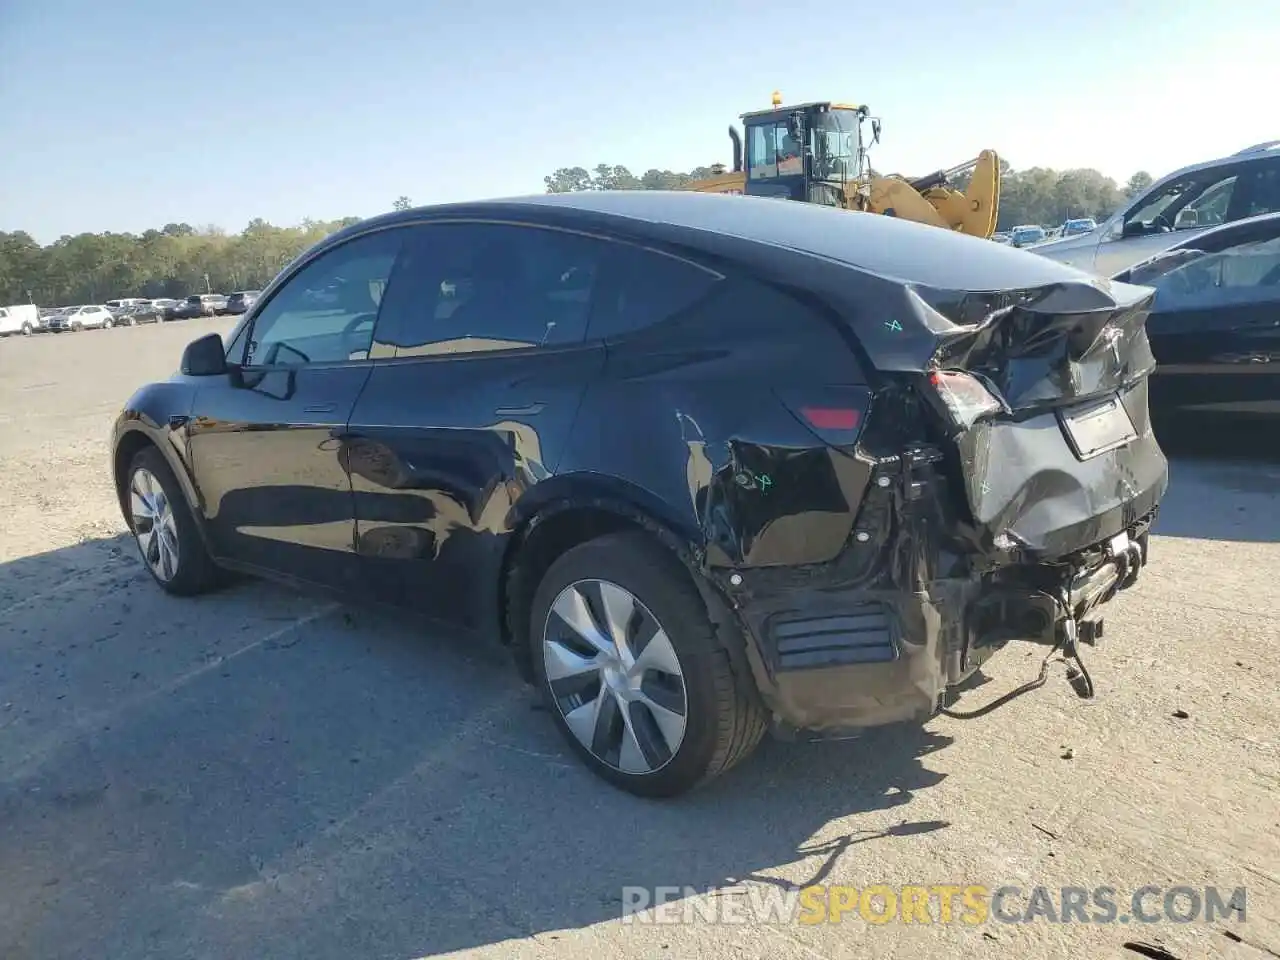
point(261, 773)
point(1224, 484)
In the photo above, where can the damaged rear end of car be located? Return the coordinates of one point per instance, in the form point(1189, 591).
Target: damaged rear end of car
point(1008, 479)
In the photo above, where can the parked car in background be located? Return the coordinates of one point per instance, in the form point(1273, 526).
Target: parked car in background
point(1001, 236)
point(1215, 324)
point(658, 443)
point(151, 311)
point(120, 308)
point(1077, 227)
point(200, 305)
point(1176, 207)
point(127, 316)
point(242, 300)
point(89, 317)
point(21, 318)
point(1025, 235)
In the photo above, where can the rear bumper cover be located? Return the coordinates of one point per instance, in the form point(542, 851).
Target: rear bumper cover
point(831, 653)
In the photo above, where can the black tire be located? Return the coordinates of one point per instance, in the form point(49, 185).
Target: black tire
point(77, 327)
point(196, 571)
point(724, 719)
point(27, 329)
point(108, 324)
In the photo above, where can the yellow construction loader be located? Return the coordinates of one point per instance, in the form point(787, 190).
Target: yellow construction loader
point(816, 152)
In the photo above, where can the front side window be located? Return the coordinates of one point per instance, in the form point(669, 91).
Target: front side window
point(325, 312)
point(480, 287)
point(836, 143)
point(1185, 279)
point(1198, 201)
point(773, 152)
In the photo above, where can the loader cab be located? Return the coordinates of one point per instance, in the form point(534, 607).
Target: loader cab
point(807, 152)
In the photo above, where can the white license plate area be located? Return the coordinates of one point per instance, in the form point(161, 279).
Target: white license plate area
point(1098, 427)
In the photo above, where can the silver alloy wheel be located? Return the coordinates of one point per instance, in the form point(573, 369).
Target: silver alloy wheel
point(615, 676)
point(153, 524)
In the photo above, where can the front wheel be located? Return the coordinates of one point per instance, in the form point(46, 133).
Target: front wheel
point(108, 324)
point(634, 672)
point(77, 327)
point(165, 528)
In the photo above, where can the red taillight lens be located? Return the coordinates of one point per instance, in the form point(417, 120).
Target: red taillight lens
point(832, 418)
point(834, 414)
point(965, 397)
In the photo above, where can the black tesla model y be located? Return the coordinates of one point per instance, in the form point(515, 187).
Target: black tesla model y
point(708, 465)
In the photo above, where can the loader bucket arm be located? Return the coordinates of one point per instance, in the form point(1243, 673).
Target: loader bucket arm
point(895, 197)
point(976, 209)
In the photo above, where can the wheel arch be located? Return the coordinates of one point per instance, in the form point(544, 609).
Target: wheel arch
point(562, 512)
point(130, 441)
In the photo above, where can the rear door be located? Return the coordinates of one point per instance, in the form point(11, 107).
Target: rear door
point(481, 369)
point(1215, 331)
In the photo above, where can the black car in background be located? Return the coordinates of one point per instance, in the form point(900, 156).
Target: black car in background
point(1215, 323)
point(151, 311)
point(706, 464)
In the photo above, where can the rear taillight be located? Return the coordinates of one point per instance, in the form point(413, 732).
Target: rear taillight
point(834, 414)
point(965, 397)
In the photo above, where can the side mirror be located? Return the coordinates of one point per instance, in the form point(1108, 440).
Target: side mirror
point(205, 357)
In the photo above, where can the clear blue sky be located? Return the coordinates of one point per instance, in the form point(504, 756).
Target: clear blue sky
point(126, 115)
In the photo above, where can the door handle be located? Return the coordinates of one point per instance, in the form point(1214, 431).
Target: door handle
point(320, 408)
point(525, 411)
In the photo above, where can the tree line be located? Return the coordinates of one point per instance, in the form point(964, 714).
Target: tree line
point(173, 261)
point(178, 259)
point(1035, 195)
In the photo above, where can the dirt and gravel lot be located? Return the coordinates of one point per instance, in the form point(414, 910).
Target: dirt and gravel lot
point(260, 774)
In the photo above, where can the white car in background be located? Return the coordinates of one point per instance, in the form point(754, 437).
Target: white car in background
point(23, 318)
point(88, 317)
point(1176, 208)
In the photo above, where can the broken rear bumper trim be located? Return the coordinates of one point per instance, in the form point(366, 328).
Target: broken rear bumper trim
point(832, 659)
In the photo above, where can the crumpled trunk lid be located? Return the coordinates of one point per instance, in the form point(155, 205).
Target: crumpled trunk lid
point(1066, 458)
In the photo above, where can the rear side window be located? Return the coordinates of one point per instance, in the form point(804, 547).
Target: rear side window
point(639, 288)
point(1260, 192)
point(478, 287)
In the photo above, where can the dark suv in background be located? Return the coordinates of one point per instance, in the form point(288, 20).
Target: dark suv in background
point(241, 300)
point(200, 305)
point(707, 464)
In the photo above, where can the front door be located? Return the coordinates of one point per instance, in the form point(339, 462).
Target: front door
point(266, 439)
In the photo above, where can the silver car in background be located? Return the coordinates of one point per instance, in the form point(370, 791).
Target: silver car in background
point(1175, 208)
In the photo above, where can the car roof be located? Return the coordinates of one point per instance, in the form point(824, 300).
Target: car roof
point(1259, 152)
point(886, 246)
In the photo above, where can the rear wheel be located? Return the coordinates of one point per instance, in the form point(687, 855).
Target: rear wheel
point(108, 323)
point(630, 664)
point(165, 529)
point(27, 329)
